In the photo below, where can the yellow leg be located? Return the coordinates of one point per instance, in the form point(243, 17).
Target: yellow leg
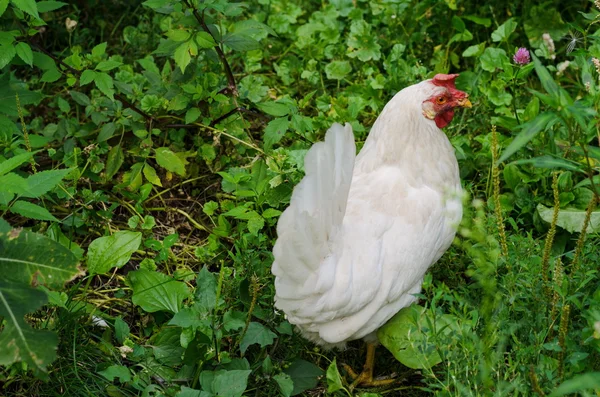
point(365, 379)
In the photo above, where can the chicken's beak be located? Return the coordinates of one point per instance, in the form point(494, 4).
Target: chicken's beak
point(465, 103)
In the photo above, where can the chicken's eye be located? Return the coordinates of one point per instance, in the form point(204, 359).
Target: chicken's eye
point(441, 100)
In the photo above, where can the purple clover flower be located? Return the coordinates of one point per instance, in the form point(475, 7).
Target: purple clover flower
point(522, 56)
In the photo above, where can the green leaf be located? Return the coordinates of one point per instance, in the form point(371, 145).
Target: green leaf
point(493, 58)
point(338, 70)
point(504, 30)
point(274, 108)
point(571, 219)
point(18, 341)
point(182, 56)
point(551, 162)
point(116, 371)
point(362, 42)
point(274, 131)
point(589, 381)
point(255, 224)
point(121, 330)
point(99, 50)
point(474, 50)
point(8, 92)
point(528, 131)
point(3, 6)
point(13, 162)
point(32, 259)
point(285, 383)
point(151, 176)
point(44, 181)
point(27, 6)
point(105, 84)
point(206, 290)
point(256, 333)
point(106, 132)
point(225, 383)
point(80, 98)
point(107, 65)
point(114, 160)
point(107, 252)
point(87, 77)
point(24, 52)
point(204, 40)
point(170, 161)
point(7, 53)
point(47, 6)
point(234, 320)
point(192, 115)
point(545, 78)
point(304, 374)
point(240, 42)
point(409, 336)
point(13, 184)
point(33, 211)
point(178, 35)
point(166, 346)
point(334, 380)
point(154, 291)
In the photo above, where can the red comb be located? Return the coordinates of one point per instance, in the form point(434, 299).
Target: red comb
point(445, 80)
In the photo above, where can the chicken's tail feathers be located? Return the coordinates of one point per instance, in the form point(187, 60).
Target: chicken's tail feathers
point(317, 208)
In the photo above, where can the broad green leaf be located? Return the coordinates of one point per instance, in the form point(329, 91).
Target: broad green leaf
point(32, 259)
point(304, 374)
point(151, 176)
point(18, 341)
point(234, 320)
point(114, 160)
point(87, 77)
point(13, 184)
point(166, 346)
point(170, 161)
point(107, 65)
point(178, 35)
point(13, 162)
point(493, 58)
point(8, 92)
point(80, 98)
point(285, 383)
point(120, 372)
point(571, 219)
point(334, 379)
point(409, 336)
point(3, 6)
point(338, 70)
point(24, 52)
point(528, 131)
point(7, 53)
point(206, 289)
point(187, 392)
point(106, 132)
point(589, 381)
point(182, 56)
point(204, 40)
point(362, 43)
point(47, 6)
point(154, 291)
point(42, 182)
point(274, 131)
point(474, 50)
point(192, 115)
point(27, 6)
point(240, 42)
point(504, 30)
point(105, 84)
point(225, 383)
point(274, 108)
point(121, 330)
point(33, 211)
point(256, 333)
point(107, 252)
point(99, 50)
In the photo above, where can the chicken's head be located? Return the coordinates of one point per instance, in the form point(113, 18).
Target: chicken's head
point(439, 107)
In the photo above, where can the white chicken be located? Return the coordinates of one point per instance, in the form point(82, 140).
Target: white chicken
point(361, 231)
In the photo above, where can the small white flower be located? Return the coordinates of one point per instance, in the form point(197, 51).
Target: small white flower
point(70, 24)
point(125, 350)
point(561, 67)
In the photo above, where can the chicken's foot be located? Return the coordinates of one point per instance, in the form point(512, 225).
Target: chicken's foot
point(365, 378)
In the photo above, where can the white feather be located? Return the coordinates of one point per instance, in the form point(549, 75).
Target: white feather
point(361, 231)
